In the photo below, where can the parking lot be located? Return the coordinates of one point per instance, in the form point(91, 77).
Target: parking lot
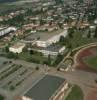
point(15, 78)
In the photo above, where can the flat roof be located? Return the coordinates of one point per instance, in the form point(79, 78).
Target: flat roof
point(18, 45)
point(45, 88)
point(43, 35)
point(53, 48)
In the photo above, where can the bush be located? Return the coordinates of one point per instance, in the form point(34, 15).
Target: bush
point(12, 88)
point(5, 62)
point(12, 55)
point(58, 59)
point(37, 68)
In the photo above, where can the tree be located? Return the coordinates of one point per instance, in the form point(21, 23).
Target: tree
point(70, 32)
point(37, 68)
point(60, 25)
point(38, 38)
point(58, 69)
point(15, 21)
point(58, 59)
point(25, 49)
point(5, 62)
point(29, 12)
point(59, 2)
point(69, 46)
point(49, 60)
point(95, 35)
point(14, 37)
point(81, 1)
point(89, 34)
point(12, 55)
point(62, 40)
point(7, 49)
point(42, 22)
point(31, 52)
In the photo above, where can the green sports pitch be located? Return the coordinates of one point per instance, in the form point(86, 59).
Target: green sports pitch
point(91, 62)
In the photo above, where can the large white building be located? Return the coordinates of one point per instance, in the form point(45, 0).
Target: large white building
point(53, 39)
point(46, 42)
point(52, 50)
point(45, 39)
point(7, 30)
point(17, 48)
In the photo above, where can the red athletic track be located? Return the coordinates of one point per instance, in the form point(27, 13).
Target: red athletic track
point(92, 96)
point(86, 53)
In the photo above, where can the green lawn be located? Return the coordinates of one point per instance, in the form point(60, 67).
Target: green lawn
point(1, 97)
point(32, 58)
point(75, 94)
point(78, 40)
point(91, 61)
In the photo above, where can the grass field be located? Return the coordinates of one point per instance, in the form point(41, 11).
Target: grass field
point(32, 58)
point(91, 61)
point(26, 56)
point(1, 97)
point(13, 6)
point(75, 94)
point(78, 40)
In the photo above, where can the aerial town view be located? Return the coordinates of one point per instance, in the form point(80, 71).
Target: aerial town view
point(48, 49)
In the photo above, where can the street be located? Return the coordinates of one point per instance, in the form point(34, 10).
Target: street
point(85, 80)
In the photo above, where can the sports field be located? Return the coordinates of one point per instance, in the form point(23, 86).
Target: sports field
point(75, 94)
point(91, 62)
point(87, 59)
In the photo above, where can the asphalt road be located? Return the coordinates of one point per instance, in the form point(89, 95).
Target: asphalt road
point(85, 80)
